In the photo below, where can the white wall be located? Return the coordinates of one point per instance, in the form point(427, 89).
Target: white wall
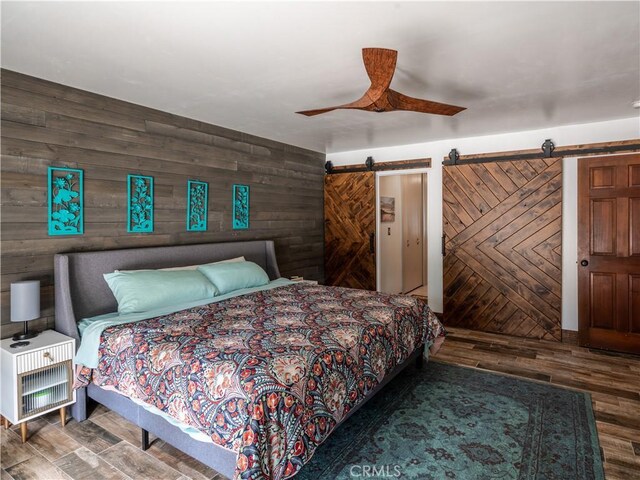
point(390, 238)
point(624, 129)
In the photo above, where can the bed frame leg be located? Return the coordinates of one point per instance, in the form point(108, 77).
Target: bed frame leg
point(144, 444)
point(79, 409)
point(420, 361)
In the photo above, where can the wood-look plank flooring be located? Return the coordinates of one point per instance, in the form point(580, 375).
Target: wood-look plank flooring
point(613, 380)
point(106, 445)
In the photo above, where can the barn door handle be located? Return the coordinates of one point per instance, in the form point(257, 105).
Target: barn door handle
point(444, 248)
point(372, 243)
point(584, 263)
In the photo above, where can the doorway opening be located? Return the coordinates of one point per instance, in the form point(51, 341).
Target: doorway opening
point(401, 220)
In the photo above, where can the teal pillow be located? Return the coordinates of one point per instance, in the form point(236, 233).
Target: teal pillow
point(144, 290)
point(228, 277)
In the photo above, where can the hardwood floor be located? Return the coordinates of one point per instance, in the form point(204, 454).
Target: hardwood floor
point(106, 445)
point(613, 380)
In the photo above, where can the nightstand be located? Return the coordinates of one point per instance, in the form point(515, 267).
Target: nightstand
point(36, 378)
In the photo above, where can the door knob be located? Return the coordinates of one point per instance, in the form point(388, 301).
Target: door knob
point(584, 263)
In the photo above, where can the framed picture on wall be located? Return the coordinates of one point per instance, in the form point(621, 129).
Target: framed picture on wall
point(387, 209)
point(65, 214)
point(197, 205)
point(240, 207)
point(139, 204)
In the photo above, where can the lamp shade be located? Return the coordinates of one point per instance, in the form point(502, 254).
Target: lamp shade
point(25, 301)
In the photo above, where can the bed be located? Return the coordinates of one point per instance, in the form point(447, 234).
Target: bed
point(248, 385)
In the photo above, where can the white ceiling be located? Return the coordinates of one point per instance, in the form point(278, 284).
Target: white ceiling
point(250, 66)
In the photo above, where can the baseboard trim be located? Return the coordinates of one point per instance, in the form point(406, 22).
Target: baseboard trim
point(570, 337)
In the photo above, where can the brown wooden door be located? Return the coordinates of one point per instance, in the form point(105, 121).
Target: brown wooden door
point(349, 232)
point(609, 252)
point(502, 267)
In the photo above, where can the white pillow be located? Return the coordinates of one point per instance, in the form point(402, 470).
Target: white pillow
point(188, 267)
point(194, 267)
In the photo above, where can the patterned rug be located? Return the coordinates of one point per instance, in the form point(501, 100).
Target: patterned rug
point(449, 422)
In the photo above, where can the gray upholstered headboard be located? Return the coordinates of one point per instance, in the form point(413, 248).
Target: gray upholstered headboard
point(81, 291)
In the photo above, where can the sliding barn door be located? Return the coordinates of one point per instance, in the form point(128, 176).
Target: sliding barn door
point(349, 231)
point(609, 252)
point(502, 264)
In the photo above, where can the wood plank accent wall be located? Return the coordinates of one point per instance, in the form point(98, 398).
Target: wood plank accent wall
point(503, 227)
point(44, 124)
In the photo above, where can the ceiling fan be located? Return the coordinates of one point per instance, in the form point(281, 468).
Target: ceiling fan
point(380, 64)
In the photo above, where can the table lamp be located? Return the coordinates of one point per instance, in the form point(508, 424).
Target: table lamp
point(25, 305)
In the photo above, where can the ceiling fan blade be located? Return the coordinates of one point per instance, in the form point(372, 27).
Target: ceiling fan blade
point(380, 64)
point(400, 101)
point(318, 111)
point(360, 104)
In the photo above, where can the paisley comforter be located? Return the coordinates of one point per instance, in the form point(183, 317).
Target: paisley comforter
point(268, 374)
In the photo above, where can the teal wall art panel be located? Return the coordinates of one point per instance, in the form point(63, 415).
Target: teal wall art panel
point(197, 205)
point(65, 201)
point(139, 204)
point(240, 207)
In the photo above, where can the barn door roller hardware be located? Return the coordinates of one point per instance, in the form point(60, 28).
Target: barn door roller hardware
point(368, 163)
point(454, 156)
point(368, 167)
point(548, 150)
point(371, 166)
point(328, 167)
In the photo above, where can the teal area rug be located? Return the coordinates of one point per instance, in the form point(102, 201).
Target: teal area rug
point(449, 422)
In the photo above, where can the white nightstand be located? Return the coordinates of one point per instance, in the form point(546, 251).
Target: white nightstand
point(37, 378)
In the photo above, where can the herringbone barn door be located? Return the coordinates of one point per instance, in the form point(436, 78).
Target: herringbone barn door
point(502, 264)
point(349, 232)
